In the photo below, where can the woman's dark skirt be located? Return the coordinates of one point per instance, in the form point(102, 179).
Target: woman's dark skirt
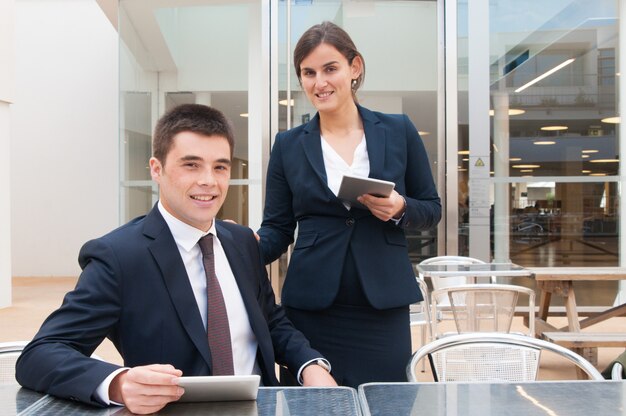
point(362, 344)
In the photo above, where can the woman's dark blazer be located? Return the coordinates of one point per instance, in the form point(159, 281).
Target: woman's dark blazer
point(297, 193)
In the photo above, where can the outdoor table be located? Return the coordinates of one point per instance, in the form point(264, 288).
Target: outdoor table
point(560, 282)
point(274, 401)
point(473, 270)
point(540, 398)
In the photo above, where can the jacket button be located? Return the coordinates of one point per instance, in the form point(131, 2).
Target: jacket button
point(350, 222)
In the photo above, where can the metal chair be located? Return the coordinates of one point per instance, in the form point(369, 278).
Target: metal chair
point(481, 307)
point(490, 357)
point(616, 372)
point(419, 314)
point(439, 283)
point(9, 352)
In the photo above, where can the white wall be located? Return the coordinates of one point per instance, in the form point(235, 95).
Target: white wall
point(7, 58)
point(64, 153)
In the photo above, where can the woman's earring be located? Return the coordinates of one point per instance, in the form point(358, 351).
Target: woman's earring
point(354, 81)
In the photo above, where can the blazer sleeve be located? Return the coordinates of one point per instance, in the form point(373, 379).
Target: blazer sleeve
point(423, 205)
point(279, 223)
point(57, 361)
point(291, 348)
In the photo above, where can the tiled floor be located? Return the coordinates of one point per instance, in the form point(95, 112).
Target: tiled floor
point(35, 298)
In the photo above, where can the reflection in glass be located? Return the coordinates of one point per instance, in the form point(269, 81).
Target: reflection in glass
point(559, 154)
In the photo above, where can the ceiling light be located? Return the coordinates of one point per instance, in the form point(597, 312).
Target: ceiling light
point(597, 174)
point(553, 128)
point(244, 115)
point(589, 151)
point(585, 171)
point(465, 159)
point(423, 133)
point(611, 120)
point(284, 102)
point(515, 159)
point(544, 142)
point(526, 170)
point(512, 112)
point(463, 152)
point(546, 74)
point(526, 166)
point(604, 161)
point(585, 156)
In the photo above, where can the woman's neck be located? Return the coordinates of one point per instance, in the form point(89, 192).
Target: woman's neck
point(340, 122)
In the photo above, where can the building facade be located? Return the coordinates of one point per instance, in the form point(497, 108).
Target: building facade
point(517, 101)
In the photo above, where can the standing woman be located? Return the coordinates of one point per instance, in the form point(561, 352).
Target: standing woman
point(349, 281)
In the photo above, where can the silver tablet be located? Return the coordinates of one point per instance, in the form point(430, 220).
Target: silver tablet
point(353, 186)
point(219, 388)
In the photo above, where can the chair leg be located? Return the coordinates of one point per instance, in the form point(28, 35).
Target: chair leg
point(423, 342)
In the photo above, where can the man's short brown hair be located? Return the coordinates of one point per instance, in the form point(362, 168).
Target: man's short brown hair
point(196, 118)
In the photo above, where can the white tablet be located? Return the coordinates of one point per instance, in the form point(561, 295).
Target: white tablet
point(353, 186)
point(219, 388)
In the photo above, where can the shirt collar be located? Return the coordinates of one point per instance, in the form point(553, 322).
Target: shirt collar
point(184, 234)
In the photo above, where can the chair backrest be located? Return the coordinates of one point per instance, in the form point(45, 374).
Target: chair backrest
point(438, 282)
point(420, 312)
point(482, 307)
point(492, 357)
point(9, 353)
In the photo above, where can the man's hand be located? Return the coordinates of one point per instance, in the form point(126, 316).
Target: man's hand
point(384, 208)
point(146, 389)
point(315, 376)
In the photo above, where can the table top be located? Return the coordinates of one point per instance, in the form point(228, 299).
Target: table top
point(578, 273)
point(274, 401)
point(478, 270)
point(541, 398)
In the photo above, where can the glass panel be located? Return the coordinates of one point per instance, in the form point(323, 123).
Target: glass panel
point(401, 76)
point(554, 150)
point(135, 150)
point(546, 231)
point(207, 53)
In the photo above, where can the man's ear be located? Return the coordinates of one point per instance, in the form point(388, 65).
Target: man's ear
point(156, 169)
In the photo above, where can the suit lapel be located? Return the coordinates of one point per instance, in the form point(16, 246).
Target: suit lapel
point(165, 254)
point(375, 137)
point(311, 142)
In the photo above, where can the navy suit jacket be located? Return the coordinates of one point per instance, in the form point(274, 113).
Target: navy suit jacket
point(297, 193)
point(134, 289)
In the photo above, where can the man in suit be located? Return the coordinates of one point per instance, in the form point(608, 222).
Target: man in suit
point(144, 287)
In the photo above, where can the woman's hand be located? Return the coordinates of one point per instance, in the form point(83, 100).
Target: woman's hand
point(255, 234)
point(384, 208)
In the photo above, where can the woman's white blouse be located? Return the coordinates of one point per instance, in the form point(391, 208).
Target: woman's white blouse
point(336, 167)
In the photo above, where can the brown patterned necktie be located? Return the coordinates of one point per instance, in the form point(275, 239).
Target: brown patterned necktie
point(217, 318)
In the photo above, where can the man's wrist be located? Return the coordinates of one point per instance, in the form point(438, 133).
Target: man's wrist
point(317, 361)
point(322, 363)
